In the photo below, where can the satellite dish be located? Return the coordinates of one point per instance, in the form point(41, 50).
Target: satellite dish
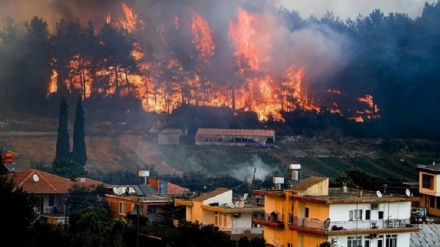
point(117, 191)
point(239, 204)
point(408, 192)
point(35, 177)
point(378, 193)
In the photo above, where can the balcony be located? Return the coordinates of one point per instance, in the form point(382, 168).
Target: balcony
point(334, 228)
point(273, 219)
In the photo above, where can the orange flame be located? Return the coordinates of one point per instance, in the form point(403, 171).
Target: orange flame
point(253, 88)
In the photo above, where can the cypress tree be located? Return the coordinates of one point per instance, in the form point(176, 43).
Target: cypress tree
point(63, 144)
point(79, 154)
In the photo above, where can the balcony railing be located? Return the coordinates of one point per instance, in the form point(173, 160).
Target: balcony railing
point(273, 219)
point(317, 226)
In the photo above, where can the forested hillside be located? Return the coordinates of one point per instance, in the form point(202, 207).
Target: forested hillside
point(356, 93)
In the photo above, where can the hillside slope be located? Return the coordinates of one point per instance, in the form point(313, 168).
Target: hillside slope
point(124, 147)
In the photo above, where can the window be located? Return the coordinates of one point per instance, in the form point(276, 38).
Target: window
point(225, 220)
point(366, 241)
point(355, 214)
point(51, 200)
point(367, 214)
point(391, 240)
point(380, 215)
point(289, 245)
point(306, 213)
point(427, 181)
point(220, 219)
point(121, 208)
point(354, 241)
point(290, 219)
point(438, 202)
point(432, 201)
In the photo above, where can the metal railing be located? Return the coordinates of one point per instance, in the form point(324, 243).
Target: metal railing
point(273, 217)
point(329, 225)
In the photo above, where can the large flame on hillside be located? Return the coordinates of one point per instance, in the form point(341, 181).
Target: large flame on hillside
point(199, 72)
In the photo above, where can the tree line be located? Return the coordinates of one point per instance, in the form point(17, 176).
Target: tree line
point(395, 59)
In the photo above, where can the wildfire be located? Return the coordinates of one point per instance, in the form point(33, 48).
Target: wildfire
point(202, 36)
point(164, 82)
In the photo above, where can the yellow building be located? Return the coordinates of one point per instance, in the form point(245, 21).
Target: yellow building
point(219, 208)
point(429, 188)
point(310, 213)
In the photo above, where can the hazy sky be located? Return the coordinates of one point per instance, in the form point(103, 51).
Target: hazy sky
point(352, 8)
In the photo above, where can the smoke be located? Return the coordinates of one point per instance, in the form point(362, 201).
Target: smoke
point(52, 11)
point(246, 170)
point(249, 29)
point(345, 9)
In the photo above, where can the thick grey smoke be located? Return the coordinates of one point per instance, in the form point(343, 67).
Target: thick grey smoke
point(353, 8)
point(246, 170)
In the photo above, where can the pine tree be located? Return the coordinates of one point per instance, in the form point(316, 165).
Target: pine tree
point(79, 153)
point(63, 144)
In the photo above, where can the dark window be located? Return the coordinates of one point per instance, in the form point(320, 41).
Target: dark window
point(432, 201)
point(290, 219)
point(51, 200)
point(367, 214)
point(380, 215)
point(438, 202)
point(391, 240)
point(306, 213)
point(427, 181)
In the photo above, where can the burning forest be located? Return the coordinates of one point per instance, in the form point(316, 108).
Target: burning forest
point(245, 55)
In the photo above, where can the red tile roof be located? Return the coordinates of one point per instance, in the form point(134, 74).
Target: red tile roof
point(40, 182)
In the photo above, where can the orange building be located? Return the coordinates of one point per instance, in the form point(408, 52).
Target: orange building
point(310, 213)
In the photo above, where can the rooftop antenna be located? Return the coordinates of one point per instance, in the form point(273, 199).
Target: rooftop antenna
point(385, 186)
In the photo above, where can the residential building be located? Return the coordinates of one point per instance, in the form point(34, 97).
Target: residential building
point(429, 188)
point(152, 199)
point(218, 208)
point(51, 191)
point(309, 213)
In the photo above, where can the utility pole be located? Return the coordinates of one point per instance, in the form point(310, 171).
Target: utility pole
point(65, 212)
point(137, 225)
point(253, 181)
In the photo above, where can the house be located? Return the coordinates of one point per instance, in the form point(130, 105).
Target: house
point(236, 137)
point(51, 191)
point(169, 137)
point(150, 199)
point(172, 123)
point(429, 188)
point(309, 213)
point(218, 208)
